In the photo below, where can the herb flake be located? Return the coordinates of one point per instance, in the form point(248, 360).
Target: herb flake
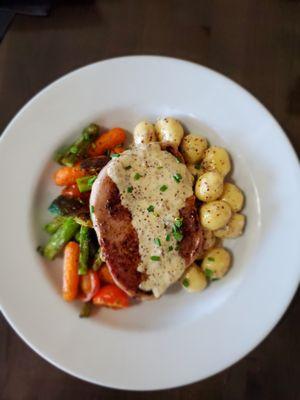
point(155, 258)
point(163, 188)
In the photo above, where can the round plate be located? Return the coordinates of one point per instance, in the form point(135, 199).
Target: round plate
point(181, 338)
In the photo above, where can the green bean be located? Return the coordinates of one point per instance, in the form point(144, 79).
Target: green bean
point(61, 237)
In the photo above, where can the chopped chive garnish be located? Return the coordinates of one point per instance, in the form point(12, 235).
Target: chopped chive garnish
point(197, 166)
point(170, 248)
point(168, 237)
point(129, 189)
point(157, 241)
point(178, 222)
point(128, 167)
point(177, 177)
point(163, 188)
point(186, 282)
point(117, 155)
point(210, 259)
point(208, 273)
point(155, 258)
point(150, 208)
point(178, 160)
point(137, 176)
point(92, 209)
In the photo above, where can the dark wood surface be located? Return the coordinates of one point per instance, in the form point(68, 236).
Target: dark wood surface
point(254, 42)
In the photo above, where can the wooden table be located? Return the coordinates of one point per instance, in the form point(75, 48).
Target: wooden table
point(254, 42)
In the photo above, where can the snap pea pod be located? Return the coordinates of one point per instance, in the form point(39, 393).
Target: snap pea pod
point(53, 225)
point(84, 250)
point(79, 148)
point(62, 236)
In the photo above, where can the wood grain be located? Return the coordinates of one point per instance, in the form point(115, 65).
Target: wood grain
point(254, 42)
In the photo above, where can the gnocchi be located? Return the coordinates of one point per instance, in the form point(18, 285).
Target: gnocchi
point(216, 263)
point(209, 186)
point(216, 159)
point(209, 239)
point(233, 228)
point(144, 133)
point(169, 130)
point(233, 196)
point(193, 147)
point(194, 279)
point(215, 215)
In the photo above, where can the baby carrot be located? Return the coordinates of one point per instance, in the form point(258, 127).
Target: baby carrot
point(70, 271)
point(107, 141)
point(66, 176)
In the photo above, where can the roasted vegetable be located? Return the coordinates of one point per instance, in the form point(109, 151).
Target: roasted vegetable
point(85, 183)
point(98, 261)
point(70, 271)
point(84, 220)
point(78, 150)
point(85, 310)
point(107, 141)
point(53, 225)
point(62, 236)
point(68, 206)
point(93, 165)
point(84, 250)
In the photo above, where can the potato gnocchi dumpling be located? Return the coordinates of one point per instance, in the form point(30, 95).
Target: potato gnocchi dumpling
point(216, 263)
point(233, 196)
point(215, 215)
point(216, 159)
point(144, 133)
point(194, 280)
point(193, 147)
point(169, 130)
point(233, 228)
point(209, 186)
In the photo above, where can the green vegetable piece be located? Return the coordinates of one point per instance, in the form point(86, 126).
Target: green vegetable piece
point(168, 237)
point(67, 206)
point(98, 261)
point(85, 310)
point(186, 282)
point(77, 236)
point(52, 226)
point(137, 176)
point(84, 250)
point(178, 236)
point(178, 222)
point(85, 183)
point(60, 238)
point(150, 208)
point(157, 241)
point(155, 258)
point(130, 189)
point(177, 177)
point(163, 188)
point(79, 148)
point(208, 273)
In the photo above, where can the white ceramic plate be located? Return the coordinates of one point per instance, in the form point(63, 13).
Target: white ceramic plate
point(181, 338)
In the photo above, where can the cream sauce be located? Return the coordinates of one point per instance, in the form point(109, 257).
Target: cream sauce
point(141, 175)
